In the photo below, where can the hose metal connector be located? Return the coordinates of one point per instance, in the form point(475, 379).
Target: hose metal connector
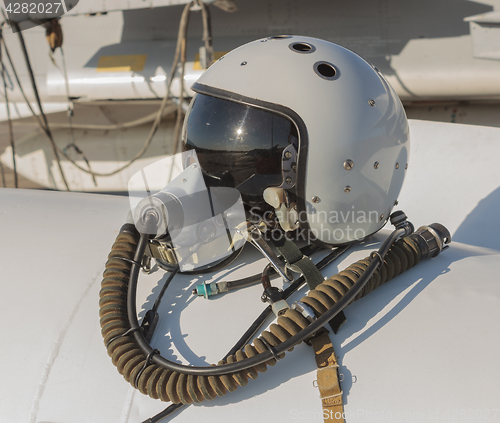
point(206, 290)
point(279, 307)
point(305, 310)
point(210, 289)
point(432, 239)
point(273, 296)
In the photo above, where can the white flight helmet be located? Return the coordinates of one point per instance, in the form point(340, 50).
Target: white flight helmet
point(306, 125)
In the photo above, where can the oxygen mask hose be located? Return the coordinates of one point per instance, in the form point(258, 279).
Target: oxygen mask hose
point(159, 378)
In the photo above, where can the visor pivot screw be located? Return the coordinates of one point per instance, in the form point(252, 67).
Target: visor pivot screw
point(371, 102)
point(347, 189)
point(243, 63)
point(288, 155)
point(376, 165)
point(397, 165)
point(294, 167)
point(288, 180)
point(348, 164)
point(315, 199)
point(183, 180)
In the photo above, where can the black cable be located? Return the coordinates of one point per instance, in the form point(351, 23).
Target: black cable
point(163, 289)
point(254, 279)
point(165, 413)
point(220, 265)
point(146, 364)
point(152, 317)
point(259, 358)
point(127, 332)
point(257, 324)
point(296, 285)
point(243, 283)
point(266, 281)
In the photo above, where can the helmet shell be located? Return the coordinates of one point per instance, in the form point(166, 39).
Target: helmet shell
point(353, 131)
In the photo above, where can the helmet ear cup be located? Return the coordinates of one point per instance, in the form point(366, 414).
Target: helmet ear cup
point(344, 112)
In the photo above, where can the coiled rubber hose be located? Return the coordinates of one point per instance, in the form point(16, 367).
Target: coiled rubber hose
point(168, 385)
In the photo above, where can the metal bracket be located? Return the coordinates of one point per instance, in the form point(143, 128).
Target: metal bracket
point(162, 252)
point(258, 242)
point(305, 310)
point(289, 167)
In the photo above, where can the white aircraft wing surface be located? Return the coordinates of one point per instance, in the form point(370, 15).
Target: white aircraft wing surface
point(421, 348)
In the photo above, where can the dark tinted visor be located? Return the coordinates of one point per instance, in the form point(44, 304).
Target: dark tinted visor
point(237, 145)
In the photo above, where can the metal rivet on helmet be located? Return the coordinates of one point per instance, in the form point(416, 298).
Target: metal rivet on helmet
point(348, 164)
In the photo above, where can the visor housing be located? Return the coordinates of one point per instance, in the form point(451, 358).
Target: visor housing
point(238, 145)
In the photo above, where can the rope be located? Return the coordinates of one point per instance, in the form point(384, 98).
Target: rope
point(69, 113)
point(3, 175)
point(11, 134)
point(207, 32)
point(181, 46)
point(19, 82)
point(39, 103)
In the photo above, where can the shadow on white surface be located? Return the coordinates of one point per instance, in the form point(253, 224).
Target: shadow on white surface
point(481, 227)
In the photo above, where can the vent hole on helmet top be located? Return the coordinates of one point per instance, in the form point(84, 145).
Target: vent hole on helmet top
point(278, 37)
point(302, 47)
point(326, 70)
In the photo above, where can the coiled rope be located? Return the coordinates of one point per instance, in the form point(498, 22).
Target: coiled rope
point(168, 385)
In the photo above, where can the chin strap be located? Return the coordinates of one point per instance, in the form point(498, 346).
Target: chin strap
point(328, 381)
point(302, 264)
